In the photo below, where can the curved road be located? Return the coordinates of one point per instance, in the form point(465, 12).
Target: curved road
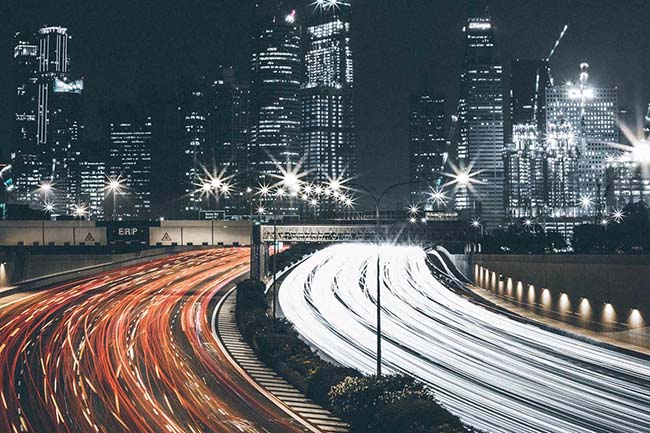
point(128, 351)
point(496, 373)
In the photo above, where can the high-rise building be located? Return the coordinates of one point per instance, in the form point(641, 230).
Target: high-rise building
point(561, 173)
point(586, 116)
point(194, 107)
point(92, 180)
point(626, 181)
point(428, 147)
point(524, 157)
point(328, 128)
point(480, 120)
point(24, 151)
point(524, 164)
point(230, 137)
point(276, 77)
point(64, 136)
point(59, 120)
point(53, 62)
point(130, 160)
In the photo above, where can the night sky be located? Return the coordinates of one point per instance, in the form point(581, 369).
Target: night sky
point(400, 47)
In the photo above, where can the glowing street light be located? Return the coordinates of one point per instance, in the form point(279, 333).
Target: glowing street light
point(261, 210)
point(586, 201)
point(414, 210)
point(528, 222)
point(79, 211)
point(604, 222)
point(46, 188)
point(438, 196)
point(618, 215)
point(413, 220)
point(114, 186)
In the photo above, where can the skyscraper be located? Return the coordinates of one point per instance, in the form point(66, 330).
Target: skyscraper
point(428, 146)
point(24, 151)
point(276, 77)
point(53, 62)
point(524, 156)
point(328, 127)
point(92, 179)
point(230, 136)
point(194, 107)
point(58, 116)
point(130, 159)
point(480, 120)
point(587, 117)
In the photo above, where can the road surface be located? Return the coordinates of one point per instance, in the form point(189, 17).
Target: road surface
point(495, 373)
point(128, 350)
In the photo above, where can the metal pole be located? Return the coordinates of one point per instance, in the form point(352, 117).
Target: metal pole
point(114, 200)
point(377, 204)
point(275, 257)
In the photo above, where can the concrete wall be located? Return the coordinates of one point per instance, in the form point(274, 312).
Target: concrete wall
point(45, 232)
point(26, 265)
point(201, 233)
point(597, 291)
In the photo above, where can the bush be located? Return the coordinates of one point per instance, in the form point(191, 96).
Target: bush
point(413, 415)
point(321, 382)
point(360, 399)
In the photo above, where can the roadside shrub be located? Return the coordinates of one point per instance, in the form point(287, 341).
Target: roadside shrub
point(360, 399)
point(415, 415)
point(321, 382)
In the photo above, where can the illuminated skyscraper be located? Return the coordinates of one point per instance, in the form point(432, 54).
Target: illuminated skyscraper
point(24, 151)
point(428, 147)
point(231, 137)
point(130, 159)
point(59, 120)
point(524, 157)
point(480, 120)
point(327, 103)
point(194, 108)
point(276, 66)
point(586, 118)
point(92, 179)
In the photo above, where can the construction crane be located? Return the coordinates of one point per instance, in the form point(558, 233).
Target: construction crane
point(550, 55)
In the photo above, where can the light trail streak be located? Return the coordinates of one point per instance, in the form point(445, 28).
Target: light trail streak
point(127, 351)
point(496, 373)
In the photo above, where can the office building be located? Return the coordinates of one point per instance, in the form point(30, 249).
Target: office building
point(130, 161)
point(24, 152)
point(276, 77)
point(328, 128)
point(480, 121)
point(584, 120)
point(428, 148)
point(194, 107)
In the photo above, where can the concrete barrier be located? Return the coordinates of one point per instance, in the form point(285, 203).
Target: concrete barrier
point(600, 292)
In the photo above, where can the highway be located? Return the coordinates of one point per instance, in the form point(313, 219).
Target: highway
point(129, 350)
point(496, 373)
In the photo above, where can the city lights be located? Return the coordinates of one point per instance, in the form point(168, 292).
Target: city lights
point(618, 215)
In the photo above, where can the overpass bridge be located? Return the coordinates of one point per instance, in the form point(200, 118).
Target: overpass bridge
point(56, 238)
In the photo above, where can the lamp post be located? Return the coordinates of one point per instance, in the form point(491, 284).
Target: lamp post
point(114, 186)
point(377, 200)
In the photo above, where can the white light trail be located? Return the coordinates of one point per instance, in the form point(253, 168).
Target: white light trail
point(495, 373)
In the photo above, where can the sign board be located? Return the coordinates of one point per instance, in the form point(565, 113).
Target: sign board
point(127, 232)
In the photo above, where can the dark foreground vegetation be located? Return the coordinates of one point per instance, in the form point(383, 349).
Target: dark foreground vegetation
point(387, 404)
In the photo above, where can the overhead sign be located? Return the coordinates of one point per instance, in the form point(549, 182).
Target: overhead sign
point(127, 232)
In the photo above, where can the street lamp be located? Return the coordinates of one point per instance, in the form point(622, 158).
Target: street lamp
point(618, 215)
point(377, 200)
point(114, 186)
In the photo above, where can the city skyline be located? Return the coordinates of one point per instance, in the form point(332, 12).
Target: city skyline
point(376, 111)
